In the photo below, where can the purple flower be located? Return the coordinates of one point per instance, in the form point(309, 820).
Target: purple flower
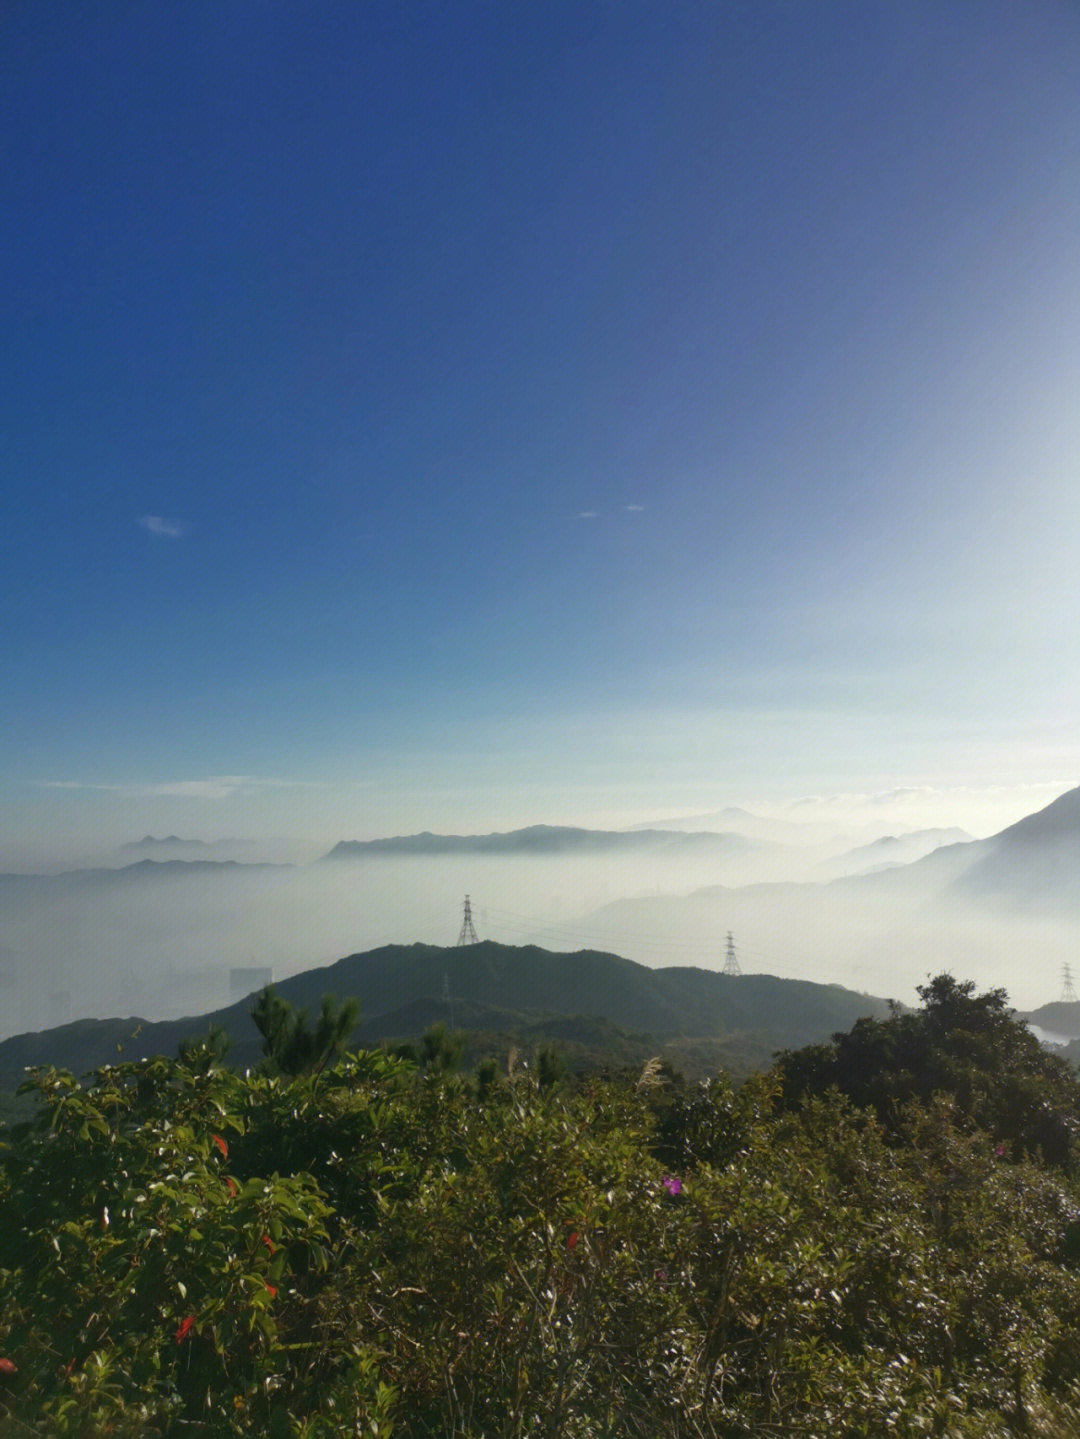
point(671, 1184)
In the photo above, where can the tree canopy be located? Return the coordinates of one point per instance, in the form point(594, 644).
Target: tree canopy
point(290, 1045)
point(965, 1045)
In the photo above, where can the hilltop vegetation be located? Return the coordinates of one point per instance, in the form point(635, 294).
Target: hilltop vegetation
point(381, 1244)
point(505, 996)
point(960, 1044)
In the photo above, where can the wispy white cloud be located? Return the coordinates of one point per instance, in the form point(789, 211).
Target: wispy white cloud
point(213, 787)
point(587, 515)
point(634, 509)
point(1035, 792)
point(980, 809)
point(159, 525)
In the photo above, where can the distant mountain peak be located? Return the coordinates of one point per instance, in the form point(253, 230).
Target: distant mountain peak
point(1059, 818)
point(540, 839)
point(915, 843)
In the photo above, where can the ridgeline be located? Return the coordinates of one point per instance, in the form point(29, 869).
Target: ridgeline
point(602, 1007)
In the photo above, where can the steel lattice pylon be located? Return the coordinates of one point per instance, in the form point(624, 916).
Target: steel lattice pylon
point(468, 933)
point(731, 964)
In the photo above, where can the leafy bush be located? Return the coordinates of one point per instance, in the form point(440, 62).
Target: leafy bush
point(965, 1045)
point(387, 1247)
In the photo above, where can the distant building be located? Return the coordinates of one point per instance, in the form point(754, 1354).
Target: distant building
point(243, 982)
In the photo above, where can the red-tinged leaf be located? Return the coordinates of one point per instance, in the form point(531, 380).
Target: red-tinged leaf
point(268, 1242)
point(220, 1144)
point(231, 1182)
point(572, 1239)
point(8, 1366)
point(185, 1326)
point(272, 1291)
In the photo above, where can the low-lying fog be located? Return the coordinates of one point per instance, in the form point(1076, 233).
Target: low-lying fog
point(159, 938)
point(879, 944)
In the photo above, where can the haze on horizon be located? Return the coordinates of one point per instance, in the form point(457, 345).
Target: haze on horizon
point(461, 418)
point(158, 931)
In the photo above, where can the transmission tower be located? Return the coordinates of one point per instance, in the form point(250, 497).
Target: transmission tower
point(468, 933)
point(1068, 989)
point(731, 964)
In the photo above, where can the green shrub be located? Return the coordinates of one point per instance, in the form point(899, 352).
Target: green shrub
point(385, 1248)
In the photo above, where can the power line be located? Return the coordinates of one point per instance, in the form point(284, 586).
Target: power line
point(631, 938)
point(627, 938)
point(584, 933)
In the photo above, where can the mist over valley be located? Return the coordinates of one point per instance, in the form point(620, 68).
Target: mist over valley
point(159, 932)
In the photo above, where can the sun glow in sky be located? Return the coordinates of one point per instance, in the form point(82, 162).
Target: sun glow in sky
point(461, 416)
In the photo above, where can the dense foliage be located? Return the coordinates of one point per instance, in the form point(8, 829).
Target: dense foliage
point(385, 1246)
point(962, 1044)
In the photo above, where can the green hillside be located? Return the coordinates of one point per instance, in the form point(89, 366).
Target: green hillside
point(494, 990)
point(1059, 1017)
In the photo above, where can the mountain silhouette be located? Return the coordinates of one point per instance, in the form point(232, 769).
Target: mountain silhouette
point(402, 989)
point(1033, 866)
point(541, 839)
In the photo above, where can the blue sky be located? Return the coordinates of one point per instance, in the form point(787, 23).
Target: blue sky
point(429, 415)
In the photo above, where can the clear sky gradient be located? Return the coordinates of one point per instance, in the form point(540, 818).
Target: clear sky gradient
point(460, 415)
